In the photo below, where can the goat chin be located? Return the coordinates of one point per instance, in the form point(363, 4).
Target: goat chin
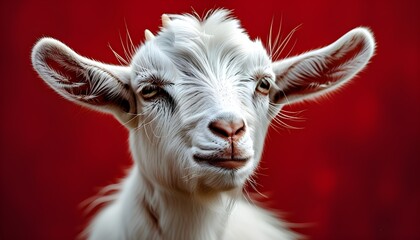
point(197, 99)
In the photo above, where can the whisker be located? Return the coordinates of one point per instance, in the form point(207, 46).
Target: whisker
point(285, 41)
point(251, 182)
point(120, 59)
point(133, 48)
point(291, 49)
point(248, 198)
point(126, 53)
point(277, 39)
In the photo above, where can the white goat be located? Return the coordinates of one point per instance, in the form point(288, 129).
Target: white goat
point(197, 100)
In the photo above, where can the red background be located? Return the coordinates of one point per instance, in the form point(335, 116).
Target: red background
point(351, 173)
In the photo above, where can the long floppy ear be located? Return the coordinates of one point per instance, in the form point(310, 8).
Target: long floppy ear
point(315, 73)
point(89, 83)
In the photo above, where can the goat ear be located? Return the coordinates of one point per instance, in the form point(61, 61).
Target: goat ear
point(93, 84)
point(318, 72)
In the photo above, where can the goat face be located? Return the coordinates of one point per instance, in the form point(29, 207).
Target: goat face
point(198, 98)
point(203, 103)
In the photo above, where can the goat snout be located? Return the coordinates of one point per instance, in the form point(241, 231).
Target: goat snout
point(230, 129)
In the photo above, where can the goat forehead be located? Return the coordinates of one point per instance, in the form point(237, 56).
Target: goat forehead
point(215, 49)
point(218, 45)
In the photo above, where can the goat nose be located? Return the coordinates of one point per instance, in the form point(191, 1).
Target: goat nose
point(231, 129)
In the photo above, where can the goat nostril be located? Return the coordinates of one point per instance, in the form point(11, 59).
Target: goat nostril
point(228, 129)
point(218, 129)
point(240, 131)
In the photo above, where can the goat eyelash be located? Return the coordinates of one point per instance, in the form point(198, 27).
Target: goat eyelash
point(263, 86)
point(150, 91)
point(152, 87)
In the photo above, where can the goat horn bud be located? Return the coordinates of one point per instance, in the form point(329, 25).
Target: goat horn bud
point(165, 20)
point(148, 35)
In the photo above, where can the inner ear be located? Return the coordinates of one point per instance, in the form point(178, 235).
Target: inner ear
point(90, 83)
point(320, 71)
point(68, 74)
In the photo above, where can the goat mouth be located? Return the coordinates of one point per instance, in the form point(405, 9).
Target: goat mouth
point(225, 163)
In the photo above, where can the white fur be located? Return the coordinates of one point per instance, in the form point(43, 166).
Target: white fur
point(205, 71)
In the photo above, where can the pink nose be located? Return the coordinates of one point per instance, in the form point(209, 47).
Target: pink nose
point(229, 129)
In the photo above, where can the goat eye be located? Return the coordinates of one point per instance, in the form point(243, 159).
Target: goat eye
point(263, 86)
point(148, 92)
